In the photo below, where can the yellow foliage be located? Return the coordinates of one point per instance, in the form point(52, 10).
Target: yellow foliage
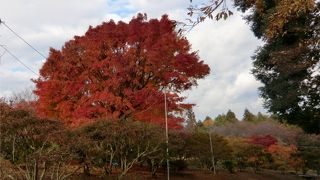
point(285, 11)
point(208, 123)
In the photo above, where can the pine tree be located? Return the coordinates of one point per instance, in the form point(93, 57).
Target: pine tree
point(231, 117)
point(191, 122)
point(248, 116)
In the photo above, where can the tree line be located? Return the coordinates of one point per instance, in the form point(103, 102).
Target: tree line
point(35, 148)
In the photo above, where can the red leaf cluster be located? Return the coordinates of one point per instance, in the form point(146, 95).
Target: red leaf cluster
point(119, 70)
point(263, 141)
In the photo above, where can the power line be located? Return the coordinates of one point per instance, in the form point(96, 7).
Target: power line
point(2, 22)
point(2, 55)
point(17, 59)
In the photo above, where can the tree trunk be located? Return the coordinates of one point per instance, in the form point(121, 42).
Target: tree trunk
point(36, 170)
point(13, 148)
point(154, 167)
point(86, 169)
point(108, 169)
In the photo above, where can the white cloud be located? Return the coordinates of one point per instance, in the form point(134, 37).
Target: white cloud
point(243, 83)
point(227, 47)
point(155, 8)
point(43, 24)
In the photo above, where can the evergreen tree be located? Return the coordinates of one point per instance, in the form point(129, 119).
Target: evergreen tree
point(220, 119)
point(191, 121)
point(288, 63)
point(248, 116)
point(261, 117)
point(231, 117)
point(223, 119)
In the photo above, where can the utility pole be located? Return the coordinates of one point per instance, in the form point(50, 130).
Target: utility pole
point(167, 137)
point(212, 156)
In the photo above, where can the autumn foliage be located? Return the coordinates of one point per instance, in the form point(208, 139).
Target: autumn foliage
point(263, 141)
point(119, 70)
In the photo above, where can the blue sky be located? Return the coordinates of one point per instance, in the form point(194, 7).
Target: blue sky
point(225, 45)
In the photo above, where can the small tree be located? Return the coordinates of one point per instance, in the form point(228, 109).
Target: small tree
point(309, 150)
point(191, 122)
point(199, 148)
point(107, 143)
point(283, 156)
point(37, 147)
point(207, 122)
point(249, 155)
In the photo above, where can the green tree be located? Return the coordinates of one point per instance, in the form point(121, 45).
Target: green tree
point(178, 148)
point(309, 150)
point(248, 116)
point(220, 119)
point(231, 117)
point(223, 119)
point(261, 117)
point(199, 148)
point(288, 62)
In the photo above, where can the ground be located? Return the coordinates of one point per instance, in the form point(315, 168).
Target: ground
point(203, 175)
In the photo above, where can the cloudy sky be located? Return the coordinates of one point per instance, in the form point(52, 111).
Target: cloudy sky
point(225, 45)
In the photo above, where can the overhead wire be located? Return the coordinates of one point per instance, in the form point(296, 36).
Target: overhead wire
point(2, 55)
point(17, 59)
point(6, 50)
point(10, 29)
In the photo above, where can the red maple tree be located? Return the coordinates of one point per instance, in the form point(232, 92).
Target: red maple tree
point(119, 70)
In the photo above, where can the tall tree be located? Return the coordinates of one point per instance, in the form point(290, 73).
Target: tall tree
point(261, 117)
point(231, 117)
point(248, 116)
point(117, 70)
point(288, 63)
point(223, 119)
point(220, 119)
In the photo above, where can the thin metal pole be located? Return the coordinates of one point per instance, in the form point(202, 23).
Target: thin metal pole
point(212, 156)
point(167, 137)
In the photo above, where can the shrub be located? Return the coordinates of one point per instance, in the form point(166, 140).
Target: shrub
point(229, 165)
